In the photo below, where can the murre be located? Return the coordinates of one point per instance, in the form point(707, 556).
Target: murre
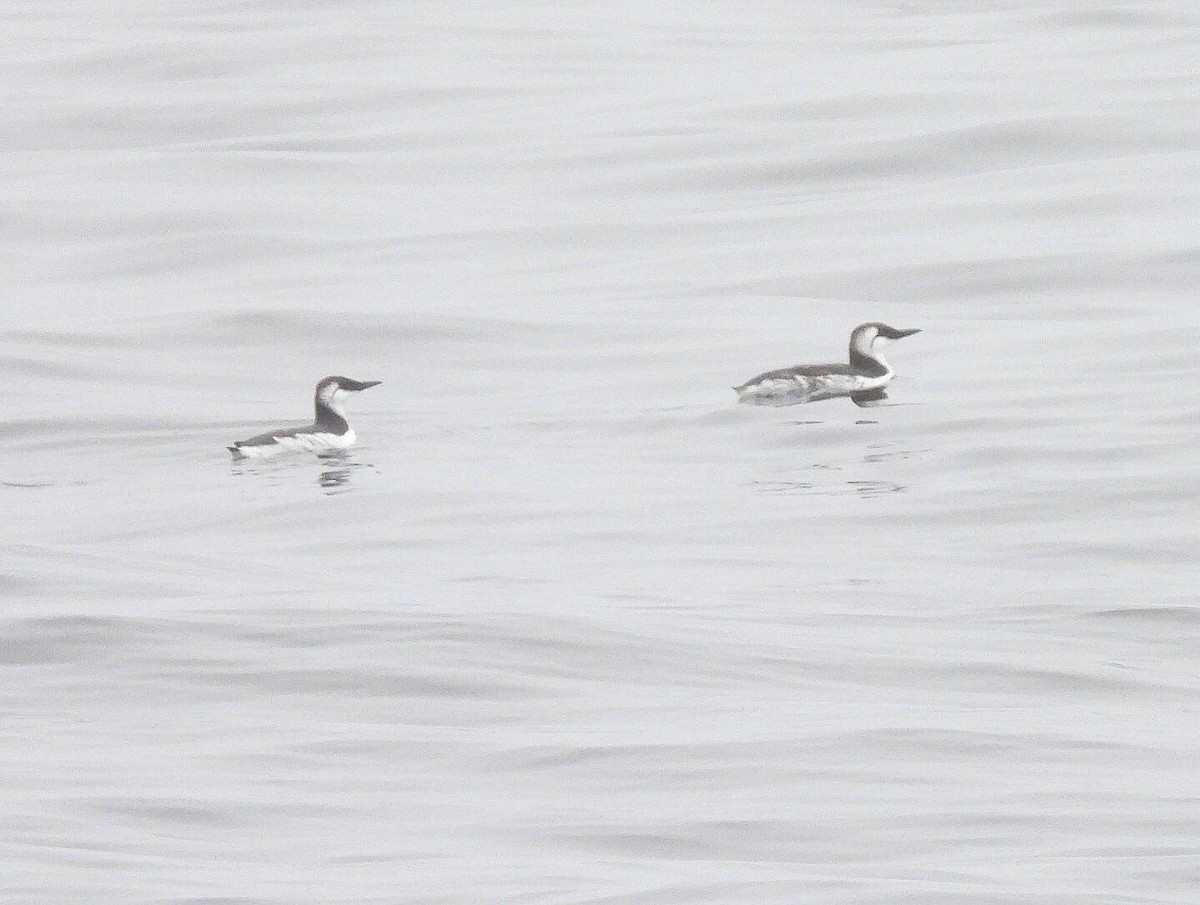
point(864, 379)
point(329, 431)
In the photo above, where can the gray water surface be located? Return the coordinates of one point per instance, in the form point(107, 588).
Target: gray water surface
point(569, 625)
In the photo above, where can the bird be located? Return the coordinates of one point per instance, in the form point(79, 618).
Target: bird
point(329, 431)
point(864, 379)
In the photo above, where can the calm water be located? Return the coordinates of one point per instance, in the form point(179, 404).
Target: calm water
point(569, 626)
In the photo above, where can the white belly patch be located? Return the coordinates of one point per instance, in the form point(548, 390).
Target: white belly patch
point(297, 443)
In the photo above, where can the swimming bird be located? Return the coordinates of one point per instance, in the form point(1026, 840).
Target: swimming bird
point(329, 431)
point(864, 379)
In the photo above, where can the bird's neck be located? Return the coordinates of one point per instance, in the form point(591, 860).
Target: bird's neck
point(332, 415)
point(868, 361)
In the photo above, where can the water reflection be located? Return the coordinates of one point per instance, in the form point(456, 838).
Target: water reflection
point(337, 479)
point(808, 488)
point(868, 399)
point(340, 467)
point(893, 454)
point(814, 479)
point(337, 469)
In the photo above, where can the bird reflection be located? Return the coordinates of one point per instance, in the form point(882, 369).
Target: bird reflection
point(340, 467)
point(336, 470)
point(869, 398)
point(334, 477)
